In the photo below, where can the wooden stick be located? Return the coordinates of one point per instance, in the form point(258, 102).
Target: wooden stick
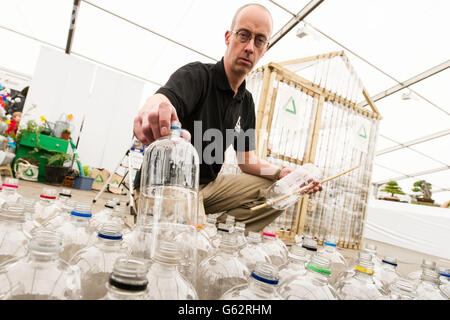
point(307, 187)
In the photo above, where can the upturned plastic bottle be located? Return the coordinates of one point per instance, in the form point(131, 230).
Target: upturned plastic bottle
point(338, 263)
point(274, 247)
point(107, 215)
point(262, 285)
point(360, 286)
point(426, 264)
point(314, 285)
point(46, 209)
point(296, 264)
point(241, 239)
point(291, 182)
point(211, 230)
point(222, 271)
point(387, 274)
point(310, 245)
point(63, 216)
point(77, 231)
point(96, 261)
point(64, 195)
point(253, 253)
point(428, 286)
point(403, 289)
point(166, 282)
point(41, 274)
point(128, 280)
point(10, 189)
point(14, 241)
point(139, 240)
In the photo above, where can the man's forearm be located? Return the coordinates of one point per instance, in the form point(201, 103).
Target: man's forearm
point(260, 167)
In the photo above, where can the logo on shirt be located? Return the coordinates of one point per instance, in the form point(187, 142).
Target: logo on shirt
point(237, 127)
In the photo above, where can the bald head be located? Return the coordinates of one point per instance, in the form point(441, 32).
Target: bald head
point(249, 5)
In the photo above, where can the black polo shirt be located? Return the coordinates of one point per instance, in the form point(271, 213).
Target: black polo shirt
point(203, 99)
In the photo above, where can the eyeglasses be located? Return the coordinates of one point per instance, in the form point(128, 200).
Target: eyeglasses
point(245, 36)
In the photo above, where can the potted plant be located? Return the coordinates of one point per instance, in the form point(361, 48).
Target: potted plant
point(85, 181)
point(65, 134)
point(393, 188)
point(422, 188)
point(55, 171)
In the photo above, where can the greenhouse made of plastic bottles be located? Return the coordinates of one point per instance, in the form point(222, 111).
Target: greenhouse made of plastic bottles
point(314, 101)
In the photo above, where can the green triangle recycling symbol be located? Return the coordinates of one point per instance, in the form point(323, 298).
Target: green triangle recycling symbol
point(99, 178)
point(362, 132)
point(290, 106)
point(28, 172)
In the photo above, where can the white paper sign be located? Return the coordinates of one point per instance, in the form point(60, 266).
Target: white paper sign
point(361, 135)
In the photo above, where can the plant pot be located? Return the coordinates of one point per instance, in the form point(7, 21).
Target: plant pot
point(83, 183)
point(65, 135)
point(425, 200)
point(55, 174)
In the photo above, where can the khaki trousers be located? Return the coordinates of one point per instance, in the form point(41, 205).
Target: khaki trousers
point(234, 195)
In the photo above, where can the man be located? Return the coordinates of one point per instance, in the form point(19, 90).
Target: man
point(214, 96)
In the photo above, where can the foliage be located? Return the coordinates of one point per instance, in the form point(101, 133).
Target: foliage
point(393, 188)
point(87, 171)
point(57, 158)
point(423, 187)
point(66, 131)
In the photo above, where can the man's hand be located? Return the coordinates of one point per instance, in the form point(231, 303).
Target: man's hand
point(154, 119)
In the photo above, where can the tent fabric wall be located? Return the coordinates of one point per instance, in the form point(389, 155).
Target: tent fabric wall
point(420, 228)
point(108, 100)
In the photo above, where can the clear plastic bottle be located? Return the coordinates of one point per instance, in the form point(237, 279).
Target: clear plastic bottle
point(211, 229)
point(370, 249)
point(310, 245)
point(63, 216)
point(444, 275)
point(14, 238)
point(387, 274)
point(128, 280)
point(195, 247)
point(360, 286)
point(64, 195)
point(166, 282)
point(30, 223)
point(46, 208)
point(253, 253)
point(169, 189)
point(338, 263)
point(293, 181)
point(107, 215)
point(403, 289)
point(139, 240)
point(222, 271)
point(274, 247)
point(239, 229)
point(296, 265)
point(426, 264)
point(41, 274)
point(313, 285)
point(96, 261)
point(169, 180)
point(262, 285)
point(428, 286)
point(77, 231)
point(10, 190)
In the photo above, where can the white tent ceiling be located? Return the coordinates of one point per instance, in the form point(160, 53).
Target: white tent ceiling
point(388, 42)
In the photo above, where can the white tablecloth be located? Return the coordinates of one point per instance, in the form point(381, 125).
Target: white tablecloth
point(420, 228)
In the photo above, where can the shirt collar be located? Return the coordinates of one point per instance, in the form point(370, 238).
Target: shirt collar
point(222, 80)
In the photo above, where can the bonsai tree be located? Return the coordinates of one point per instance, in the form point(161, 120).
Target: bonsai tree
point(423, 187)
point(392, 187)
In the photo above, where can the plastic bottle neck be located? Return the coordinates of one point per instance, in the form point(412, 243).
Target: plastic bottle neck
point(260, 287)
point(115, 293)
